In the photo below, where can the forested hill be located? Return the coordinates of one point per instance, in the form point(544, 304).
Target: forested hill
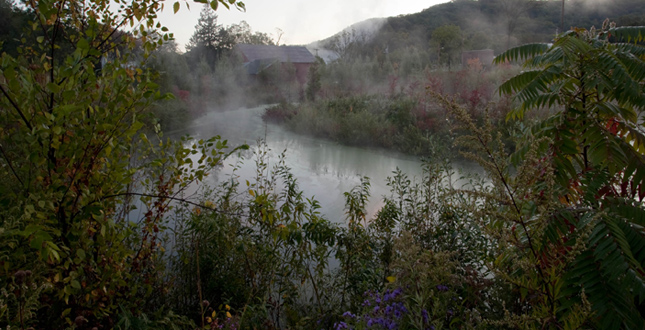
point(495, 24)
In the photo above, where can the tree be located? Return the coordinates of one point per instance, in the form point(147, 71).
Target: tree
point(347, 43)
point(13, 22)
point(209, 40)
point(73, 158)
point(585, 231)
point(448, 41)
point(243, 34)
point(513, 10)
point(313, 79)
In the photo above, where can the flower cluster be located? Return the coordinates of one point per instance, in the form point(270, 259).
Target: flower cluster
point(384, 311)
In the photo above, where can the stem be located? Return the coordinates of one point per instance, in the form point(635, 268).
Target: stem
point(199, 282)
point(313, 283)
point(21, 309)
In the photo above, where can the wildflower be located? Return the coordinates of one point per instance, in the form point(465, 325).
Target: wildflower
point(424, 314)
point(349, 314)
point(340, 325)
point(442, 287)
point(79, 320)
point(20, 276)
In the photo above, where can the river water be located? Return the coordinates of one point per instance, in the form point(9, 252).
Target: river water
point(324, 169)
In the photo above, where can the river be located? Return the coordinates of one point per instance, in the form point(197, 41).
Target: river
point(324, 169)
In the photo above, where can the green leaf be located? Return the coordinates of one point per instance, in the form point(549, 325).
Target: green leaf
point(175, 7)
point(83, 44)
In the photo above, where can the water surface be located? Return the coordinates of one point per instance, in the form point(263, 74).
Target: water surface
point(324, 169)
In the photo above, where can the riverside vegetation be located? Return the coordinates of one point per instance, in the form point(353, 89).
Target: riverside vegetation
point(97, 230)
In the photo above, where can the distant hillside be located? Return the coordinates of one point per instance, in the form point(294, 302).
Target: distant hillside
point(494, 24)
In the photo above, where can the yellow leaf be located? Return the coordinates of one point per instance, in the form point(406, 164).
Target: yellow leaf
point(228, 308)
point(213, 315)
point(391, 279)
point(228, 314)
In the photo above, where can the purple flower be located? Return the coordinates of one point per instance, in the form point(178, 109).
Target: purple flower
point(442, 287)
point(349, 314)
point(424, 313)
point(366, 303)
point(341, 325)
point(376, 308)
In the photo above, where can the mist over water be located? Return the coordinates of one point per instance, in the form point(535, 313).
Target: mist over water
point(324, 169)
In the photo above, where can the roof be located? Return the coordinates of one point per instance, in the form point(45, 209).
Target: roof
point(255, 67)
point(293, 54)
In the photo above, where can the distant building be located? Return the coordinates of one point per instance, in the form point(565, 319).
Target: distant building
point(485, 57)
point(261, 57)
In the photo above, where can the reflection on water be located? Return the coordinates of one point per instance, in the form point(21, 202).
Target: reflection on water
point(324, 169)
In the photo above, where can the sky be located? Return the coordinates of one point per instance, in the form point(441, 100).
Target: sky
point(301, 21)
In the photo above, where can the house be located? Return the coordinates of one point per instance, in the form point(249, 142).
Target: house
point(257, 58)
point(485, 57)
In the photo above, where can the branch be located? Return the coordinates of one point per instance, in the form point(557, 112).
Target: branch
point(10, 166)
point(15, 106)
point(182, 200)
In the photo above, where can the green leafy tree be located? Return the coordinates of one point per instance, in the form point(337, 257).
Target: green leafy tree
point(448, 41)
point(210, 40)
point(581, 221)
point(73, 157)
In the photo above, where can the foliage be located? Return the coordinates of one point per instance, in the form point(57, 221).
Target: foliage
point(496, 24)
point(74, 160)
point(13, 22)
point(90, 200)
point(448, 41)
point(210, 40)
point(568, 220)
point(243, 34)
point(313, 79)
point(264, 252)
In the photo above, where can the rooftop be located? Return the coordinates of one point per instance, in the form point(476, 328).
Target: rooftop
point(293, 54)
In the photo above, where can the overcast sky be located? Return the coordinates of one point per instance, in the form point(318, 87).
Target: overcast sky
point(302, 21)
